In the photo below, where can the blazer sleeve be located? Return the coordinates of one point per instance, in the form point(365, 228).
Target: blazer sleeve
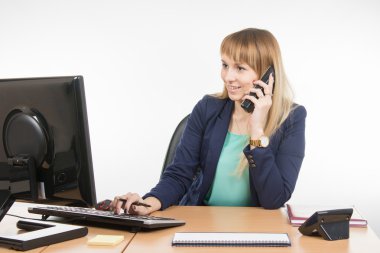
point(274, 176)
point(178, 176)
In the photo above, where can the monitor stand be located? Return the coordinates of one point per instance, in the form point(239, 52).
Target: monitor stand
point(41, 233)
point(6, 201)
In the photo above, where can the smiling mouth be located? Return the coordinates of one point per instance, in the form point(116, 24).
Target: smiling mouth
point(233, 87)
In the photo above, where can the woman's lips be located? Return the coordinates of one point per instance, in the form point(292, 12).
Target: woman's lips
point(233, 88)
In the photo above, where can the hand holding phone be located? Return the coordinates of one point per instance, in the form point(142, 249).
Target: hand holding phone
point(247, 104)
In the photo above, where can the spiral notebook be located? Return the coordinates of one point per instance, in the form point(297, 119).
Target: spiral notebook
point(231, 239)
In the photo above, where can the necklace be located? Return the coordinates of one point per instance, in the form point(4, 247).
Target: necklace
point(238, 126)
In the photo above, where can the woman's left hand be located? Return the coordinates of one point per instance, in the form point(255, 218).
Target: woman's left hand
point(262, 105)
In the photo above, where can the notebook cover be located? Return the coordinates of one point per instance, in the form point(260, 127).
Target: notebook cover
point(298, 214)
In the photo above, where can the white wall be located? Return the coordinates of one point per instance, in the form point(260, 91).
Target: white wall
point(146, 64)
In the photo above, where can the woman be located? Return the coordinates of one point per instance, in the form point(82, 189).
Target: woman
point(230, 145)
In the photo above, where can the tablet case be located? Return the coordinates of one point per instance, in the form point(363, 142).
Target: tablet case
point(41, 233)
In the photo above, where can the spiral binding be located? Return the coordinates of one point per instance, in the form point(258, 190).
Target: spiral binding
point(234, 243)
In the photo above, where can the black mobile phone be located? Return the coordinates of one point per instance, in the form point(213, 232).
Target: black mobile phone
point(247, 104)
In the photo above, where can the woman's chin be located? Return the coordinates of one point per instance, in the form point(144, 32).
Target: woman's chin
point(235, 97)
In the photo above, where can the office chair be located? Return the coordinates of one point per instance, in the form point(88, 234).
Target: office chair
point(174, 142)
point(191, 197)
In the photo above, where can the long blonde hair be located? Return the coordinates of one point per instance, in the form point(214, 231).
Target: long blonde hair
point(259, 49)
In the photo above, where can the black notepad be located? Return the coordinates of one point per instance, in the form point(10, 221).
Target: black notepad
point(231, 239)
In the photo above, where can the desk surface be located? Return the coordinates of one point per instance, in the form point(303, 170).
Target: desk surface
point(246, 219)
point(205, 219)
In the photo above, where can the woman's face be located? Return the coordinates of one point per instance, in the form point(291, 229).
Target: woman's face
point(238, 78)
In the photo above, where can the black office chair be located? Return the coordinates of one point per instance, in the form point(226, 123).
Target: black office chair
point(174, 142)
point(191, 197)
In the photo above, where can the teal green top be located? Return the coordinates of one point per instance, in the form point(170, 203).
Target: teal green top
point(228, 188)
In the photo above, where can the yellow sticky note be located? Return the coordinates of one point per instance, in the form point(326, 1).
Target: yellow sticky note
point(106, 240)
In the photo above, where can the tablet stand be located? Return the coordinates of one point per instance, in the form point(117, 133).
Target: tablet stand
point(331, 224)
point(336, 230)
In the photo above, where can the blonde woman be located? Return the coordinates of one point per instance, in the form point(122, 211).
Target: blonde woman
point(245, 158)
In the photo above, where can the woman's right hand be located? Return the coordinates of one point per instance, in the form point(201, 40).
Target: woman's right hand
point(127, 203)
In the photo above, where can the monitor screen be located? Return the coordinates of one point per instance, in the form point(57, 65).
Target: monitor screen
point(45, 152)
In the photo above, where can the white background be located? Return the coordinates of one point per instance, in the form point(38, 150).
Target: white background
point(147, 63)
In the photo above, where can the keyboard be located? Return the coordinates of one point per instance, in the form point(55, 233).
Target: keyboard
point(134, 222)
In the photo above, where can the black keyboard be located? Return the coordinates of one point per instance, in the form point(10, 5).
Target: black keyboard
point(134, 222)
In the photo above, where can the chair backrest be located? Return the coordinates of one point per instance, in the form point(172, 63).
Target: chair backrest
point(174, 142)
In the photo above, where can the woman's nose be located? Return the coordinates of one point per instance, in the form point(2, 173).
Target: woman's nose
point(230, 75)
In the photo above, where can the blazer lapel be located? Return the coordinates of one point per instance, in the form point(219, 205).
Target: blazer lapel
point(215, 147)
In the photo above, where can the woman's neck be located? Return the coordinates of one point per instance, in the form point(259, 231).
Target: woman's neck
point(239, 120)
point(239, 112)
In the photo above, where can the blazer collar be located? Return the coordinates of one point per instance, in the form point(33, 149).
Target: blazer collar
point(226, 112)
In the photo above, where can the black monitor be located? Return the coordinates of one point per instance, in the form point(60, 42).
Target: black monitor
point(45, 152)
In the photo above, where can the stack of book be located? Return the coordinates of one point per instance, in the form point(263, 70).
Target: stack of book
point(298, 214)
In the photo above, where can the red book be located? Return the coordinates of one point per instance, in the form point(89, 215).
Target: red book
point(297, 214)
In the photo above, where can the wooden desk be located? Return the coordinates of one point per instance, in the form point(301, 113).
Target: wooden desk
point(8, 227)
point(245, 219)
point(205, 219)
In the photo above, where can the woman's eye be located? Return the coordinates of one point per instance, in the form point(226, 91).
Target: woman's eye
point(240, 68)
point(224, 65)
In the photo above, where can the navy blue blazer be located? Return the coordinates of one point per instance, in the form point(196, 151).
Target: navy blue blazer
point(273, 171)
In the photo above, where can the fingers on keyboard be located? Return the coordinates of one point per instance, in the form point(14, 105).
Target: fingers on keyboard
point(125, 202)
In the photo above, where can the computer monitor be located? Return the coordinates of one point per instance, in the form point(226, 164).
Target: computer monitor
point(45, 152)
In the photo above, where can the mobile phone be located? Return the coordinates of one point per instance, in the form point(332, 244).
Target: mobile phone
point(247, 104)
